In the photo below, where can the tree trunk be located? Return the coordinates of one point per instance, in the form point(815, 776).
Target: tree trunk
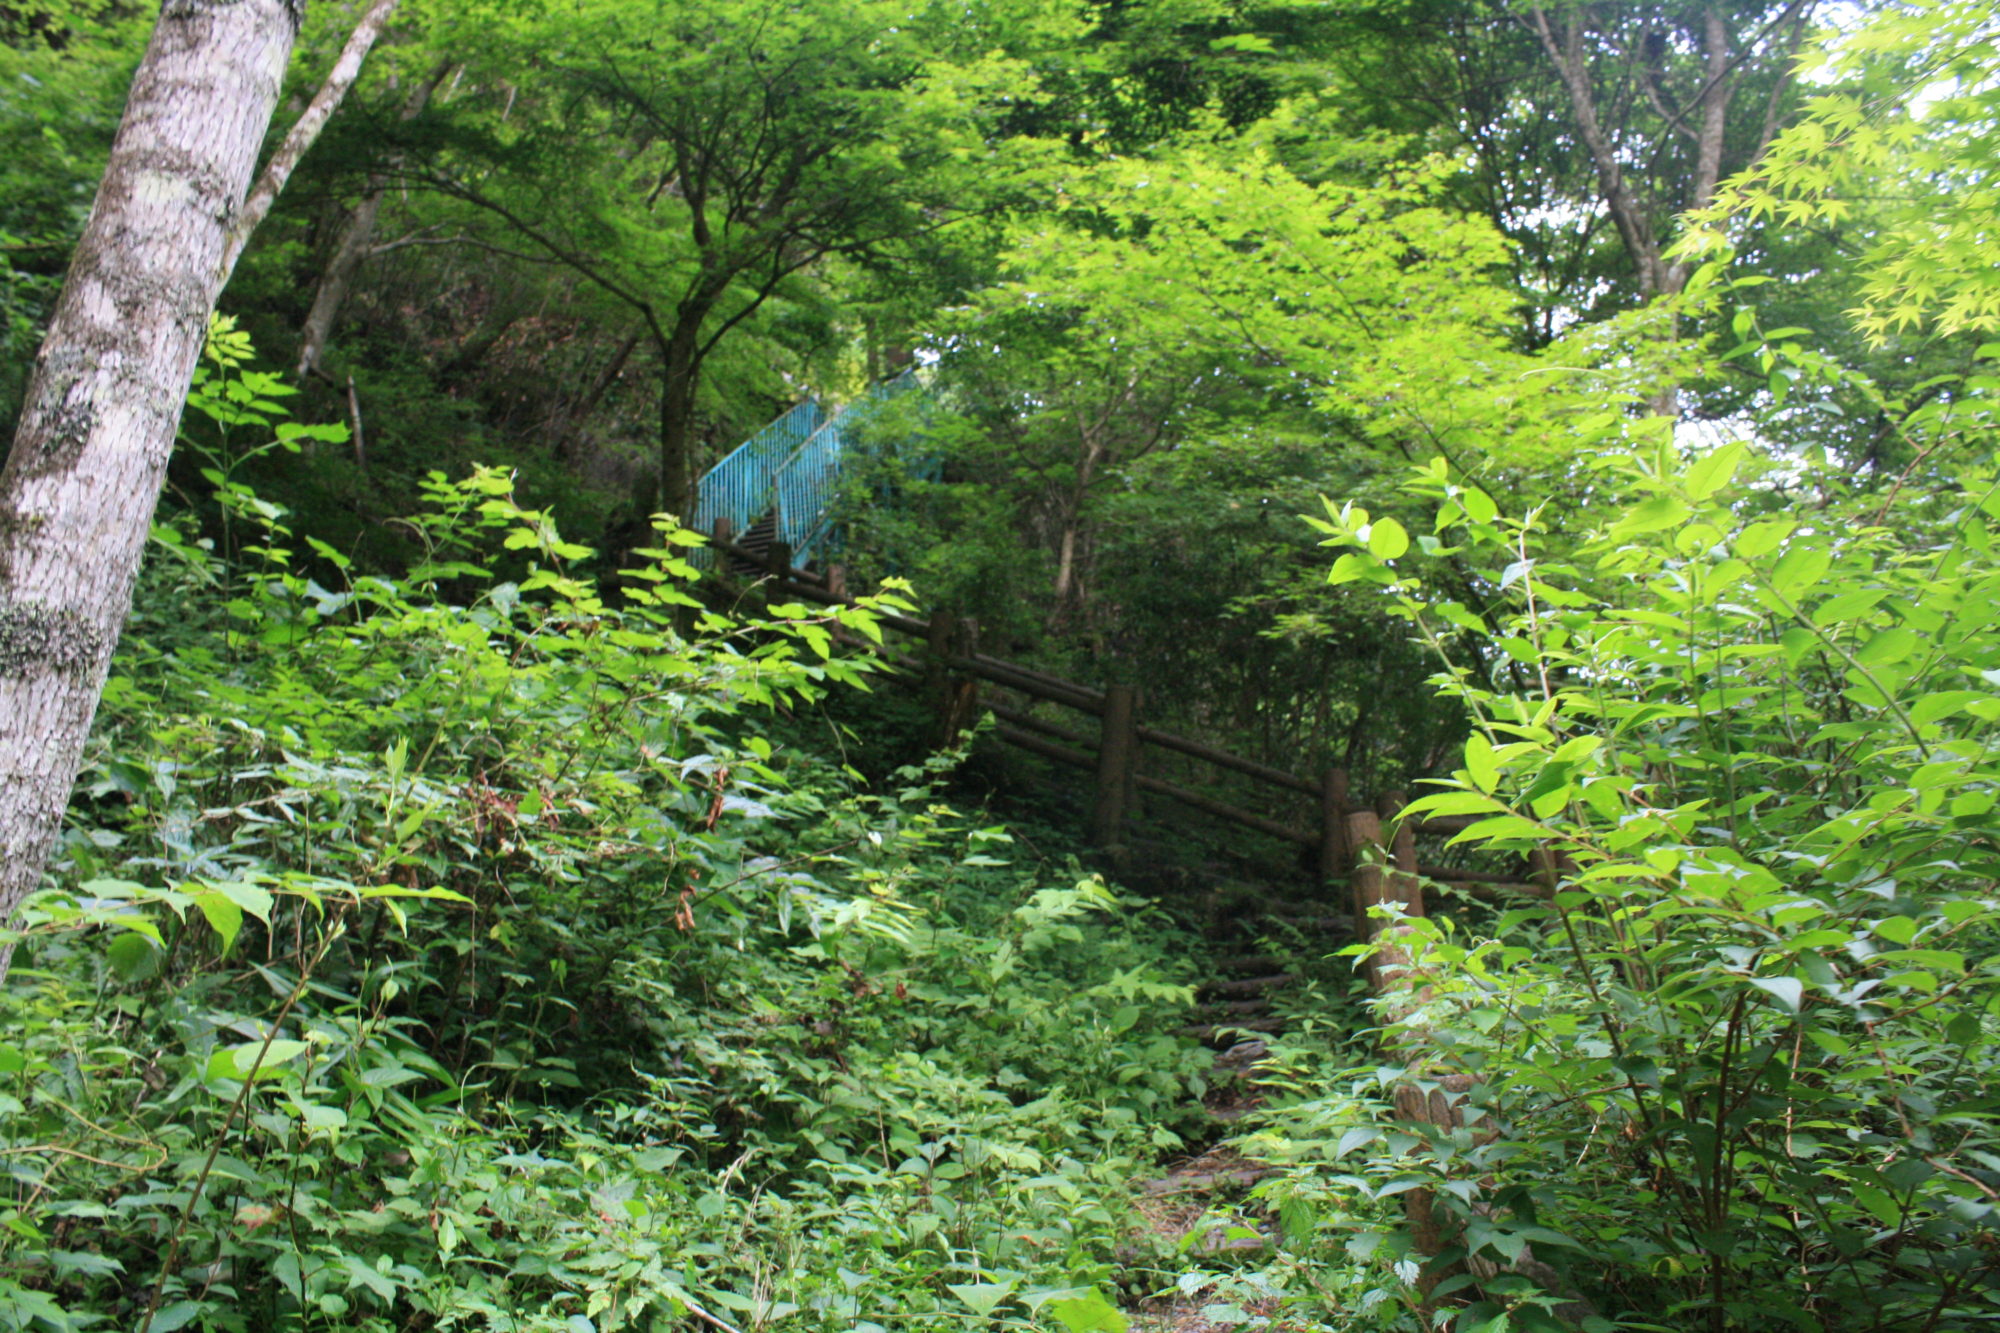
point(1067, 594)
point(357, 239)
point(105, 397)
point(679, 378)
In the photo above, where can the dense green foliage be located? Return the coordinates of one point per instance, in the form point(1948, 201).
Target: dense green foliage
point(455, 948)
point(467, 920)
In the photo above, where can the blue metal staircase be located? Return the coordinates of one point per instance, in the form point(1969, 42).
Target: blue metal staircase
point(780, 485)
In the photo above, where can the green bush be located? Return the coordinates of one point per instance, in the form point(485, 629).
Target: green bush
point(1737, 1070)
point(460, 951)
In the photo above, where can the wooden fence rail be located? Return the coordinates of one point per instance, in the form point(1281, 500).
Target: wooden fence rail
point(954, 668)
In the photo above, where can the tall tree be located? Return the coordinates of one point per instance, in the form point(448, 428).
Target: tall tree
point(693, 159)
point(104, 402)
point(1591, 126)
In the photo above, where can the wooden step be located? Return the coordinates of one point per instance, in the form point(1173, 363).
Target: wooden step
point(1323, 925)
point(1248, 985)
point(1232, 1009)
point(1209, 1032)
point(1188, 1182)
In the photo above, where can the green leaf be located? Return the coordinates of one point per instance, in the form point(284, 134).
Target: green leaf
point(1891, 645)
point(1387, 539)
point(1848, 606)
point(1356, 1136)
point(1799, 568)
point(1661, 511)
point(1711, 473)
point(1352, 566)
point(1454, 803)
point(132, 957)
point(1478, 505)
point(1480, 764)
point(1089, 1314)
point(1790, 991)
point(236, 1062)
point(1762, 538)
point(224, 916)
point(1575, 749)
point(981, 1297)
point(178, 1315)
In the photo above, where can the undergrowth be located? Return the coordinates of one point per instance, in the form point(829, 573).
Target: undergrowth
point(465, 951)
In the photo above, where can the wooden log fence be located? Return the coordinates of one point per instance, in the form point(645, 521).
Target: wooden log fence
point(953, 669)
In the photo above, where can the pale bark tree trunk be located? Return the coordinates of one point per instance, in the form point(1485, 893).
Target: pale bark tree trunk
point(357, 242)
point(104, 400)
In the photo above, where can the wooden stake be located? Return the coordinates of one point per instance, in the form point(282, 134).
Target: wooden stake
point(1333, 849)
point(1115, 753)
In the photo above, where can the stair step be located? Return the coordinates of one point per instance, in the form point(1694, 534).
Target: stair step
point(1232, 1009)
point(1181, 1182)
point(1208, 1032)
point(1249, 962)
point(1333, 925)
point(1249, 985)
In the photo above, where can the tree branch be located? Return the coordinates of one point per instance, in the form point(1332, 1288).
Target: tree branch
point(257, 205)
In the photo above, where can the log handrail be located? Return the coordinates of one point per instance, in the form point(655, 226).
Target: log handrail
point(1065, 745)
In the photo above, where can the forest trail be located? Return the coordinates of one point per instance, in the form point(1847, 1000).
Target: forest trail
point(1200, 1205)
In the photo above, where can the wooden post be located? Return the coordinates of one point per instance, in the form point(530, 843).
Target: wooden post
point(1403, 854)
point(719, 538)
point(778, 560)
point(1333, 851)
point(958, 696)
point(953, 697)
point(836, 582)
point(1369, 880)
point(1117, 747)
point(1392, 979)
point(938, 634)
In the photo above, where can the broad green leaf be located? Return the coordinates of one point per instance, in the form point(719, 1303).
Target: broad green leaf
point(1090, 1314)
point(1454, 803)
point(1387, 539)
point(223, 915)
point(1661, 511)
point(1480, 764)
point(1847, 606)
point(1762, 538)
point(132, 957)
point(1790, 991)
point(981, 1297)
point(1891, 645)
point(237, 1062)
point(1713, 471)
point(1798, 569)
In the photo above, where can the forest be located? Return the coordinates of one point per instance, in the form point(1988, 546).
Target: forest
point(881, 666)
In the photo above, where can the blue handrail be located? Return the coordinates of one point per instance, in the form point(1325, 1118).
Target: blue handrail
point(739, 488)
point(791, 469)
point(809, 481)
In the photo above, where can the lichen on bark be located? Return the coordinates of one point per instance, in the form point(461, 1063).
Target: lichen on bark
point(36, 638)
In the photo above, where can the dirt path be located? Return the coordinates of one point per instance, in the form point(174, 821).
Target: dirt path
point(1200, 1206)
